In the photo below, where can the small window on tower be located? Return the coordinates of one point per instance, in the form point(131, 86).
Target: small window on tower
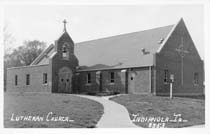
point(65, 53)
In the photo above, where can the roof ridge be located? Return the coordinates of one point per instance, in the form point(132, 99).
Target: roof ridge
point(81, 43)
point(47, 49)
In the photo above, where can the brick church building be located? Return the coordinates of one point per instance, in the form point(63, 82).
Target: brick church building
point(137, 63)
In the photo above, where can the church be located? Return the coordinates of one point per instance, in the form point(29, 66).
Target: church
point(133, 63)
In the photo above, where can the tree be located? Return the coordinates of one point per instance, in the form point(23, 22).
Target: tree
point(29, 51)
point(24, 55)
point(8, 39)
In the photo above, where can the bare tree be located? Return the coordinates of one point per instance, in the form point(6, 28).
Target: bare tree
point(8, 39)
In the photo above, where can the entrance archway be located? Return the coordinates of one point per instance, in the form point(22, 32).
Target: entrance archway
point(64, 80)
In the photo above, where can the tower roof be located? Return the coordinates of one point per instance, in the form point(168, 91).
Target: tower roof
point(65, 35)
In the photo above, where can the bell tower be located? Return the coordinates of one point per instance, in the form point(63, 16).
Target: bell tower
point(64, 63)
point(65, 45)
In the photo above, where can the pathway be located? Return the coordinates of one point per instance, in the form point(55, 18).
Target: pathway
point(115, 115)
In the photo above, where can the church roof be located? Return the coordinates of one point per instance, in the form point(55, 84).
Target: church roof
point(122, 51)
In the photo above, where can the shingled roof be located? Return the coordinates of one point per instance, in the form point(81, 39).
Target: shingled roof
point(122, 51)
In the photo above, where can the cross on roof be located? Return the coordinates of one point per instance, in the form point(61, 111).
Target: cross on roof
point(182, 53)
point(181, 50)
point(64, 22)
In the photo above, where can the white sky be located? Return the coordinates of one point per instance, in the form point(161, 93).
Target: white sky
point(86, 22)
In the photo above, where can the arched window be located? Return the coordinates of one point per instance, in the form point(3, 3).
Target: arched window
point(65, 52)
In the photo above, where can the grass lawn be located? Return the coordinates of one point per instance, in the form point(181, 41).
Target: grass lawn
point(190, 109)
point(85, 113)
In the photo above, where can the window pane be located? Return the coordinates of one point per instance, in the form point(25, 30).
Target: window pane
point(27, 79)
point(166, 76)
point(88, 78)
point(44, 78)
point(112, 77)
point(16, 80)
point(64, 55)
point(65, 52)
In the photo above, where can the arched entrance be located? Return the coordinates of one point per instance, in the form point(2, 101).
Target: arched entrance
point(64, 80)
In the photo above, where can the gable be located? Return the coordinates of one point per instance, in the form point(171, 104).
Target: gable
point(65, 39)
point(177, 37)
point(44, 57)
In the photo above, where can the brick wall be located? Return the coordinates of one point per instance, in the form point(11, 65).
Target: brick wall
point(84, 87)
point(170, 59)
point(104, 80)
point(141, 83)
point(119, 81)
point(36, 79)
point(57, 61)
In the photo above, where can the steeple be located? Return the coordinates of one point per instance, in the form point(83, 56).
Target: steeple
point(64, 22)
point(65, 36)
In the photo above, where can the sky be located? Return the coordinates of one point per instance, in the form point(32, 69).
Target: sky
point(87, 22)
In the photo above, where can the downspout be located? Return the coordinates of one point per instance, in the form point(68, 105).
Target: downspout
point(126, 81)
point(154, 74)
point(150, 80)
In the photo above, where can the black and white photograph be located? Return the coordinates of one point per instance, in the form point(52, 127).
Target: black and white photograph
point(104, 66)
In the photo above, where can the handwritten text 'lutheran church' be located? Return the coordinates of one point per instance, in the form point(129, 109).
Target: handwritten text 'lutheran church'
point(137, 63)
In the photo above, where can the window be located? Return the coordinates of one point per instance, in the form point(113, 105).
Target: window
point(98, 77)
point(65, 53)
point(89, 78)
point(166, 76)
point(27, 79)
point(44, 78)
point(195, 78)
point(111, 77)
point(16, 80)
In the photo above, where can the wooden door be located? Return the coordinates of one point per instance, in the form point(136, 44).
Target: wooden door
point(65, 80)
point(61, 83)
point(68, 83)
point(131, 82)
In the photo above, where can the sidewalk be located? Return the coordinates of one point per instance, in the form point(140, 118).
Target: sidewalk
point(115, 115)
